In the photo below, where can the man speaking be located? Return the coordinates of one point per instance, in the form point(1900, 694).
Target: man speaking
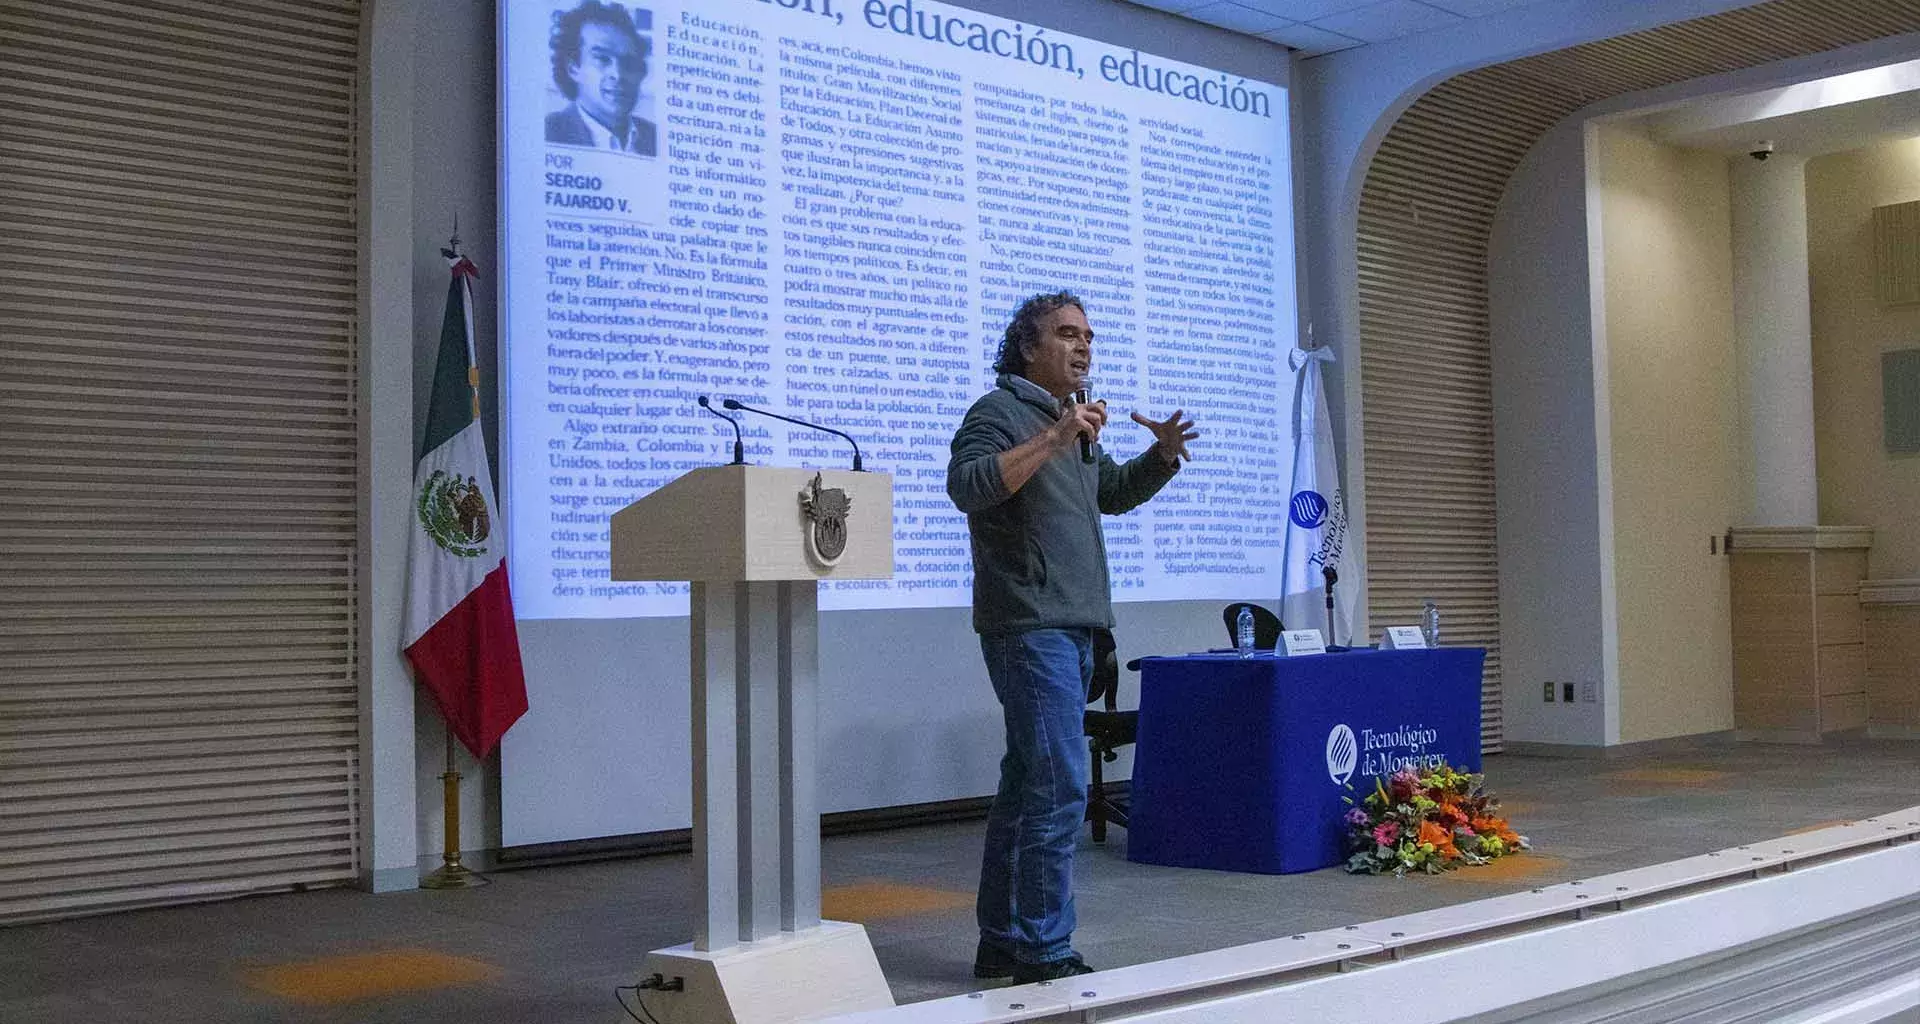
point(1029, 472)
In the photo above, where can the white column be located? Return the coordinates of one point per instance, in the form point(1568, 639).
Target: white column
point(717, 612)
point(389, 807)
point(1772, 324)
point(757, 677)
point(799, 764)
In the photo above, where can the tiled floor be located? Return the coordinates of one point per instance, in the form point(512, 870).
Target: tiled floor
point(550, 944)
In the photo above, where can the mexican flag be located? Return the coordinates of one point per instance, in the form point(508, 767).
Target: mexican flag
point(459, 626)
point(1316, 514)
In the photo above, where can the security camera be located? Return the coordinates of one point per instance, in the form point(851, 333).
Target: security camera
point(1761, 150)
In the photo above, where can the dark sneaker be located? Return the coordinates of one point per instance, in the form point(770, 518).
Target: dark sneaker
point(990, 962)
point(1052, 970)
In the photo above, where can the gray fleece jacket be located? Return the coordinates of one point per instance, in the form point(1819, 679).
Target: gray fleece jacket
point(1039, 558)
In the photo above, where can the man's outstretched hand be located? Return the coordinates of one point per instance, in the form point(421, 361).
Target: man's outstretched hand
point(1172, 435)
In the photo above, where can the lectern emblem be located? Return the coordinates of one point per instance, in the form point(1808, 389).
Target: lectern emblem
point(826, 510)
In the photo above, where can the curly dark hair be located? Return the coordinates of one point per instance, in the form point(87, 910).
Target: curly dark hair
point(1025, 329)
point(565, 38)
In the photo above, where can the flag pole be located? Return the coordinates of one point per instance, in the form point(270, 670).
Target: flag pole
point(451, 874)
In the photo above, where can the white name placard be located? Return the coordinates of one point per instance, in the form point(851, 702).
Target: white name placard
point(1302, 641)
point(1403, 638)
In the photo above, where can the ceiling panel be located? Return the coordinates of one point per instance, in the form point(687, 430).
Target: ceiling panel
point(1227, 14)
point(1303, 10)
point(1310, 40)
point(1475, 8)
point(1314, 27)
point(1173, 6)
point(1388, 19)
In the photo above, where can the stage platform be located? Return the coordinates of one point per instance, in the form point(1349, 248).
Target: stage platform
point(544, 944)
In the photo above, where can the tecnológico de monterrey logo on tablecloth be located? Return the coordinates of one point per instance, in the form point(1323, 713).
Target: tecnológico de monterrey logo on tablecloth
point(1378, 753)
point(1343, 754)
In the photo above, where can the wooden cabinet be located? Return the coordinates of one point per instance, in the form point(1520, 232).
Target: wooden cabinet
point(1799, 640)
point(1890, 610)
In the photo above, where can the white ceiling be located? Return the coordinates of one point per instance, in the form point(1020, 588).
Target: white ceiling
point(1322, 26)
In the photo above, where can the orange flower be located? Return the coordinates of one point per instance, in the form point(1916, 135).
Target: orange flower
point(1432, 832)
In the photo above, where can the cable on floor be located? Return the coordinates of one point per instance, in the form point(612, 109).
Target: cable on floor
point(643, 1017)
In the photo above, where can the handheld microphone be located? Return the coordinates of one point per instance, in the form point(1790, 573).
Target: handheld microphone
point(739, 450)
point(1082, 397)
point(733, 404)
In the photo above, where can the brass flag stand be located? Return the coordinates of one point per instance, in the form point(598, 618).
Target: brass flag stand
point(451, 874)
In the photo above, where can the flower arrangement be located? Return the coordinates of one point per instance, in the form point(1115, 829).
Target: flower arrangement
point(1429, 819)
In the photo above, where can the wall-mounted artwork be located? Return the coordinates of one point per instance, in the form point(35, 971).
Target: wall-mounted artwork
point(1896, 254)
point(1900, 388)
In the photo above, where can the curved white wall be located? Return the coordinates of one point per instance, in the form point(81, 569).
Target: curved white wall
point(1548, 454)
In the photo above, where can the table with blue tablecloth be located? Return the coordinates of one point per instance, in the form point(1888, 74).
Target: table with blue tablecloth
point(1241, 763)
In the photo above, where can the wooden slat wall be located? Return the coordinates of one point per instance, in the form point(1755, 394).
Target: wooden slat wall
point(1425, 215)
point(178, 701)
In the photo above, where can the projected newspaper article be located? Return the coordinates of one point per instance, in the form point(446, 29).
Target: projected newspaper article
point(830, 209)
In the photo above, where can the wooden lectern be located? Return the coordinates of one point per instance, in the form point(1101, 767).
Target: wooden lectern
point(755, 541)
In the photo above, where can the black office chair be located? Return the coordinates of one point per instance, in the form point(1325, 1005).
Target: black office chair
point(1107, 729)
point(1266, 625)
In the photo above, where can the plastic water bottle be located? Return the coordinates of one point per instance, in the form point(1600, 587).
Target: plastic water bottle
point(1430, 623)
point(1243, 632)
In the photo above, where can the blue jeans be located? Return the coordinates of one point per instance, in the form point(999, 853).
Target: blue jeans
point(1025, 908)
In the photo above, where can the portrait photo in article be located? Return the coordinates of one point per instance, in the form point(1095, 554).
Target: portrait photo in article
point(603, 54)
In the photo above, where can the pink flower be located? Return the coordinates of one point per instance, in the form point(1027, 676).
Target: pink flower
point(1386, 833)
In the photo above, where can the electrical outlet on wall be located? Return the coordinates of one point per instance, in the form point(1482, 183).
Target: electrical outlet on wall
point(1547, 695)
point(1589, 691)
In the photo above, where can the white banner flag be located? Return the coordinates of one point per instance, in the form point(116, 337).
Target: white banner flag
point(1316, 514)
